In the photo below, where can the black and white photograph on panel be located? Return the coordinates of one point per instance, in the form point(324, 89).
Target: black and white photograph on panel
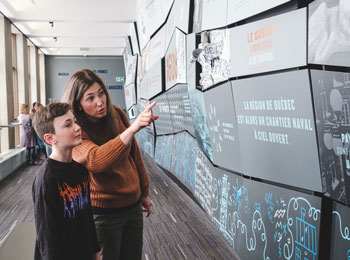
point(240, 9)
point(200, 122)
point(275, 223)
point(175, 60)
point(214, 57)
point(222, 124)
point(183, 162)
point(213, 14)
point(340, 237)
point(229, 200)
point(277, 130)
point(164, 151)
point(203, 189)
point(331, 91)
point(261, 46)
point(130, 95)
point(163, 124)
point(179, 17)
point(145, 141)
point(180, 108)
point(329, 34)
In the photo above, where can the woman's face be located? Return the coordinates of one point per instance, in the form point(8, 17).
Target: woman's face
point(93, 102)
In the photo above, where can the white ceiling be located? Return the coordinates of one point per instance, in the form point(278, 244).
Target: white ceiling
point(81, 27)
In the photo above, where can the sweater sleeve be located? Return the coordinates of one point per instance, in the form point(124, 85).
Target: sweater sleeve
point(136, 153)
point(97, 158)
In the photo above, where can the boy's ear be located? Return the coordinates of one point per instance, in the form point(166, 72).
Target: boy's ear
point(49, 138)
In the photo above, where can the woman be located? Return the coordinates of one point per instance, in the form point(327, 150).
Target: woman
point(119, 182)
point(28, 136)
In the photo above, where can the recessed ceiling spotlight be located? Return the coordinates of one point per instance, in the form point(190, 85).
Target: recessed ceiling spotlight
point(55, 38)
point(52, 24)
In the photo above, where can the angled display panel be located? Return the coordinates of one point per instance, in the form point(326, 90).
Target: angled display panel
point(340, 237)
point(130, 95)
point(240, 9)
point(203, 190)
point(197, 16)
point(223, 128)
point(214, 58)
point(180, 109)
point(175, 60)
point(178, 17)
point(200, 122)
point(151, 84)
point(157, 47)
point(331, 92)
point(191, 72)
point(329, 32)
point(276, 129)
point(263, 45)
point(134, 39)
point(213, 14)
point(150, 16)
point(163, 124)
point(164, 151)
point(130, 69)
point(183, 163)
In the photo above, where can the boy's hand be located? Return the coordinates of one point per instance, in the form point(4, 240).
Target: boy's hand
point(146, 205)
point(97, 256)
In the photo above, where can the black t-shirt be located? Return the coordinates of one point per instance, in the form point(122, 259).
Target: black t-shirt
point(64, 224)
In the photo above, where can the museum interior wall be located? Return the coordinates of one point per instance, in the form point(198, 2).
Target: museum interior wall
point(254, 116)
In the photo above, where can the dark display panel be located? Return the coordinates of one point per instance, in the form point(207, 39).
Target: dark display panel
point(175, 60)
point(276, 129)
point(214, 58)
point(340, 237)
point(331, 91)
point(262, 221)
point(263, 45)
point(180, 108)
point(203, 189)
point(222, 126)
point(145, 141)
point(163, 124)
point(164, 151)
point(200, 122)
point(329, 32)
point(183, 162)
point(240, 9)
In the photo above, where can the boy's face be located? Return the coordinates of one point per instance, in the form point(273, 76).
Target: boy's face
point(67, 132)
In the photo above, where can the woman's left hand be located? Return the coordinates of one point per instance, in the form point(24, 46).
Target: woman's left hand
point(146, 205)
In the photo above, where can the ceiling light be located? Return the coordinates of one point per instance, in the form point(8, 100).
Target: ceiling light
point(55, 39)
point(52, 24)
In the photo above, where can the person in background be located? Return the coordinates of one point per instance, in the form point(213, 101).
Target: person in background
point(63, 219)
point(40, 143)
point(119, 181)
point(28, 137)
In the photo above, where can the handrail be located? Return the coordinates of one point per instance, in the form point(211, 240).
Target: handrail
point(12, 124)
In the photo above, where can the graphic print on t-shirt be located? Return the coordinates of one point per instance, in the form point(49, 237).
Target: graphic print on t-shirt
point(74, 198)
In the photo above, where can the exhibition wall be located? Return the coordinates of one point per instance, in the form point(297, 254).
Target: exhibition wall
point(253, 99)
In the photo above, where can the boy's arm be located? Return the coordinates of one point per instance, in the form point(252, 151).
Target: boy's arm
point(47, 225)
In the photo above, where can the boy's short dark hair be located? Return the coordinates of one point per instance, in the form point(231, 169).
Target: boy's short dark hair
point(43, 118)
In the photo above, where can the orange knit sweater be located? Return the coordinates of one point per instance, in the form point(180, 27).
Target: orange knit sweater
point(118, 175)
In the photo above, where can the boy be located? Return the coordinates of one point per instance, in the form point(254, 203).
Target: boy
point(64, 224)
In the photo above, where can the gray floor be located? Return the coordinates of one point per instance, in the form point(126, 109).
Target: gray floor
point(177, 229)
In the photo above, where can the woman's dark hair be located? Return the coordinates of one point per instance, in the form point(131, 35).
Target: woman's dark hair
point(73, 92)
